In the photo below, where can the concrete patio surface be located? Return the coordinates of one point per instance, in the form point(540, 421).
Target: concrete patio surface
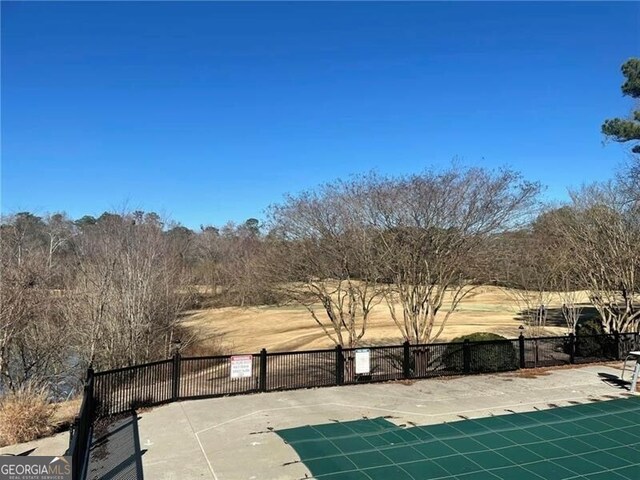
point(232, 438)
point(54, 445)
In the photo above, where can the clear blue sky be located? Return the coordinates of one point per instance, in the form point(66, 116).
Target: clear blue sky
point(212, 111)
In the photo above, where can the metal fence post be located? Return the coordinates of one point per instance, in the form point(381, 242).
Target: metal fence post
point(572, 348)
point(521, 345)
point(406, 366)
point(263, 370)
point(616, 336)
point(90, 391)
point(339, 365)
point(81, 439)
point(466, 356)
point(175, 385)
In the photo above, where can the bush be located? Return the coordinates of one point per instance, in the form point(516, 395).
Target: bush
point(589, 326)
point(25, 415)
point(591, 340)
point(485, 356)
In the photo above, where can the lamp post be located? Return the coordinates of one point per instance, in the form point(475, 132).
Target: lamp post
point(175, 346)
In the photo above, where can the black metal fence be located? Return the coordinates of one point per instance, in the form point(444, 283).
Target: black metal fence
point(180, 378)
point(82, 431)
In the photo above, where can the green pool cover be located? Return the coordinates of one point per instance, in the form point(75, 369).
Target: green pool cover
point(595, 441)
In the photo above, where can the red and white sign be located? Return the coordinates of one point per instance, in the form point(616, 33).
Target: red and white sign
point(241, 366)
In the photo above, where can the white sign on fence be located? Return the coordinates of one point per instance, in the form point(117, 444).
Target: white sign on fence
point(363, 361)
point(241, 366)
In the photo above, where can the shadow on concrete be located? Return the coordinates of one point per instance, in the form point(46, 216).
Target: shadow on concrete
point(614, 381)
point(115, 452)
point(26, 453)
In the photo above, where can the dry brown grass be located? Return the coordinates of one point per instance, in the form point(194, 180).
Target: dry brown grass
point(533, 373)
point(291, 327)
point(65, 413)
point(204, 344)
point(25, 415)
point(406, 382)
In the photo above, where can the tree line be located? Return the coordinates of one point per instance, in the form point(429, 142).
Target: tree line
point(111, 291)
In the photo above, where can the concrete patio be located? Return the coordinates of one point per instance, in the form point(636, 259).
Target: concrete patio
point(232, 438)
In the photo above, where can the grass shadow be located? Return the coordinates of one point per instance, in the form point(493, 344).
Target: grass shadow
point(555, 318)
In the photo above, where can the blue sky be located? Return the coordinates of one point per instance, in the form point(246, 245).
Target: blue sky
point(211, 111)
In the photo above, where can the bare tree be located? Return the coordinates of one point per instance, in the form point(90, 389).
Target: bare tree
point(59, 231)
point(106, 292)
point(323, 256)
point(602, 229)
point(628, 179)
point(208, 247)
point(561, 261)
point(431, 227)
point(572, 307)
point(532, 296)
point(229, 260)
point(32, 333)
point(542, 272)
point(128, 292)
point(417, 234)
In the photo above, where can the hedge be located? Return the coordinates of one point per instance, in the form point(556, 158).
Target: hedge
point(485, 356)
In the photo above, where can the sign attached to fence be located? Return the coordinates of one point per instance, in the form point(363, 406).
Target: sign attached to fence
point(241, 366)
point(363, 361)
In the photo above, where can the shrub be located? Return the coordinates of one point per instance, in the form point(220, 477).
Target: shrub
point(591, 340)
point(589, 326)
point(485, 356)
point(25, 415)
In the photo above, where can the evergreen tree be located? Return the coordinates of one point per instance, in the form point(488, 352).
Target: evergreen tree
point(625, 130)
